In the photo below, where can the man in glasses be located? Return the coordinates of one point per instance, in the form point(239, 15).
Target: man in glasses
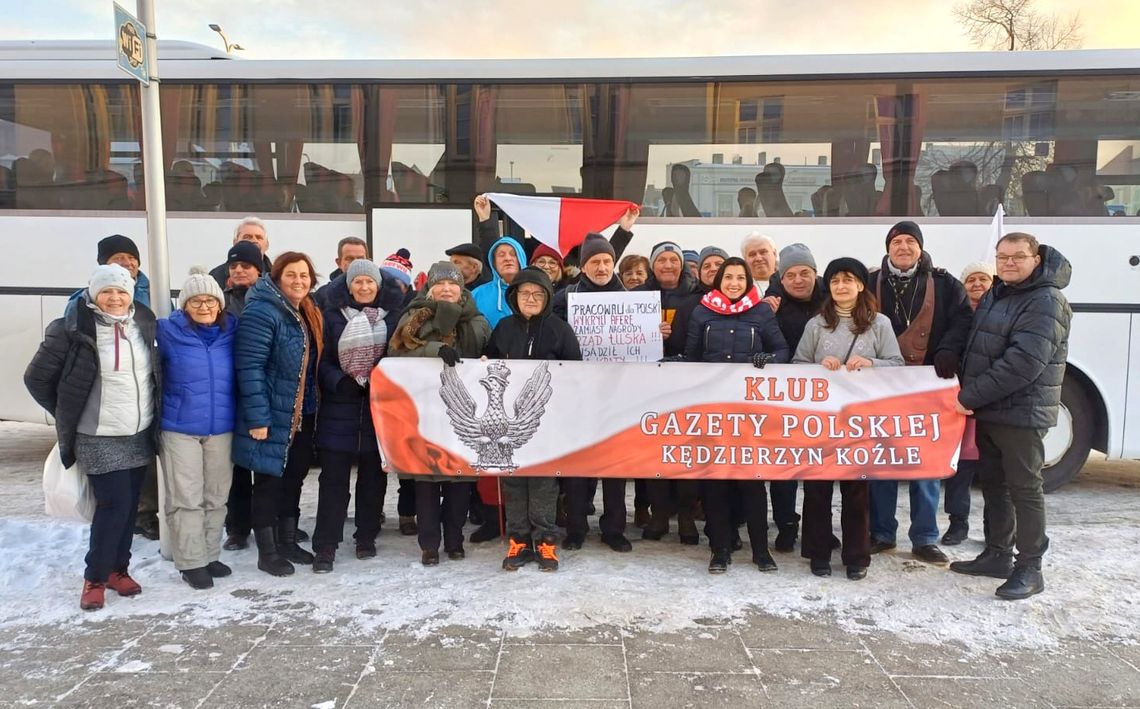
point(1012, 374)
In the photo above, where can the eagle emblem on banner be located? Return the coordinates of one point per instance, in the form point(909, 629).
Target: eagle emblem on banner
point(494, 436)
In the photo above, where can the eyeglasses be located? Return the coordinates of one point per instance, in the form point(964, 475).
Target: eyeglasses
point(1016, 258)
point(531, 295)
point(203, 303)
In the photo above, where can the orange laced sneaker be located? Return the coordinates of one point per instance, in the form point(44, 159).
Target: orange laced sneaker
point(92, 597)
point(121, 583)
point(547, 555)
point(519, 553)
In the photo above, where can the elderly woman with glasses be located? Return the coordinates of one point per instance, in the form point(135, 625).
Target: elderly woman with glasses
point(196, 353)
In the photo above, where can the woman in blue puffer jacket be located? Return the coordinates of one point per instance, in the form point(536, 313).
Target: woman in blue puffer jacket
point(196, 350)
point(733, 324)
point(276, 352)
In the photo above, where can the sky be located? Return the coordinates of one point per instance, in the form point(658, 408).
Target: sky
point(398, 29)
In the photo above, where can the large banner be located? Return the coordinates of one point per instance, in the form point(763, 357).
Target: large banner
point(669, 420)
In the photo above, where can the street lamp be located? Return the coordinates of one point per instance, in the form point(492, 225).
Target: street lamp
point(226, 42)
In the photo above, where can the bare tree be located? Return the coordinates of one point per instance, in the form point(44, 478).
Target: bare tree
point(1016, 24)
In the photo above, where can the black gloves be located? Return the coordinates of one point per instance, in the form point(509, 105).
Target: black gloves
point(946, 364)
point(761, 358)
point(449, 356)
point(673, 358)
point(348, 387)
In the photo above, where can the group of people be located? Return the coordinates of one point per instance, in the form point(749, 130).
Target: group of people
point(258, 376)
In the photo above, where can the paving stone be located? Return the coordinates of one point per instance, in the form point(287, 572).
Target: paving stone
point(303, 634)
point(968, 692)
point(473, 649)
point(1079, 678)
point(774, 632)
point(561, 672)
point(708, 650)
point(425, 689)
point(670, 689)
point(825, 677)
point(287, 676)
point(541, 704)
point(598, 635)
point(145, 689)
point(920, 659)
point(193, 649)
point(31, 674)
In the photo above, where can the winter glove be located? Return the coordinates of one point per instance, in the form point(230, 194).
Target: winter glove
point(673, 358)
point(761, 358)
point(449, 356)
point(946, 364)
point(348, 387)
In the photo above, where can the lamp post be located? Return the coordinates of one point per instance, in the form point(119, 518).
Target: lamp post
point(229, 47)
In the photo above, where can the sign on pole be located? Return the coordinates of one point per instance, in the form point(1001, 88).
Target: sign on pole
point(130, 40)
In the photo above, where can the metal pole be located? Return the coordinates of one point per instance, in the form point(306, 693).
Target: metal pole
point(159, 255)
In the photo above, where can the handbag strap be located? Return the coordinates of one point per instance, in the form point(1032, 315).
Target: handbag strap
point(850, 349)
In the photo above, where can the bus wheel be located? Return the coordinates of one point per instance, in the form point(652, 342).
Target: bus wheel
point(1067, 444)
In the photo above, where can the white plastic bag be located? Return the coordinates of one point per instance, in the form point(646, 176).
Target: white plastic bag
point(67, 493)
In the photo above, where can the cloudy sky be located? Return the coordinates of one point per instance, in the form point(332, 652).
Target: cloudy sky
point(533, 28)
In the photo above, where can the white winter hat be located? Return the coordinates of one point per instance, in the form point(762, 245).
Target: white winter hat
point(978, 267)
point(110, 275)
point(200, 282)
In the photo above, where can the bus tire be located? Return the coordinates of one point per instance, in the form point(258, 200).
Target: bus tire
point(1067, 445)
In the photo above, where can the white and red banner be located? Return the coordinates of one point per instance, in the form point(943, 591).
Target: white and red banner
point(669, 420)
point(561, 222)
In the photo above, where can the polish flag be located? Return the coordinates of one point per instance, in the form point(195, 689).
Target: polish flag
point(561, 222)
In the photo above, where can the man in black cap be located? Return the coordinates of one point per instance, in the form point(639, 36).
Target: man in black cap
point(253, 230)
point(469, 260)
point(931, 316)
point(121, 250)
point(244, 265)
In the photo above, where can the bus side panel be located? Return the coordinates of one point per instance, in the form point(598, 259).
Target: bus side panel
point(20, 337)
point(1131, 445)
point(1098, 346)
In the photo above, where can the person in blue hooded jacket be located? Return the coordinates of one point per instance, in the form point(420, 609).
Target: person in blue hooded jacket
point(196, 352)
point(507, 258)
point(276, 352)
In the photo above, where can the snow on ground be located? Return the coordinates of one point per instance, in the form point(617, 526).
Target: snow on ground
point(1092, 571)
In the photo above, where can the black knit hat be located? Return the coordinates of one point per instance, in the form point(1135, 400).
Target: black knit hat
point(905, 227)
point(593, 245)
point(246, 252)
point(116, 244)
point(846, 264)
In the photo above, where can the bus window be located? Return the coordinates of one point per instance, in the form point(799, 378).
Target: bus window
point(538, 139)
point(404, 143)
point(68, 146)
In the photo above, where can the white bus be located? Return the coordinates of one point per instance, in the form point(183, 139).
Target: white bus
point(825, 150)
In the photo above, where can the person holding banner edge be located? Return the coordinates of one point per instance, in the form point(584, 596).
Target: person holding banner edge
point(442, 321)
point(733, 324)
point(852, 334)
point(931, 316)
point(532, 333)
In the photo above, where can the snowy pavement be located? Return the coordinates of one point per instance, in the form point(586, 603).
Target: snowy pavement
point(651, 628)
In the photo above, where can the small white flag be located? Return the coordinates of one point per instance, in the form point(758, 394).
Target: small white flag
point(997, 231)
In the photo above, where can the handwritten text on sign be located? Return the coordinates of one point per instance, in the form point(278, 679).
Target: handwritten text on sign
point(617, 327)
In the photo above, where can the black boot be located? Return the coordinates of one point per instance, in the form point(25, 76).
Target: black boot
point(198, 578)
point(821, 567)
point(990, 562)
point(489, 529)
point(324, 560)
point(1025, 581)
point(287, 542)
point(763, 559)
point(268, 559)
point(956, 534)
point(687, 528)
point(721, 558)
point(573, 541)
point(235, 541)
point(786, 537)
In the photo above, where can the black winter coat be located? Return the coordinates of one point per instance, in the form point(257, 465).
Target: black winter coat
point(543, 336)
point(344, 419)
point(64, 369)
point(794, 314)
point(952, 312)
point(715, 337)
point(1015, 356)
point(681, 300)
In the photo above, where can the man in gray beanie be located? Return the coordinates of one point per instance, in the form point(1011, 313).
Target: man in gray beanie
point(708, 263)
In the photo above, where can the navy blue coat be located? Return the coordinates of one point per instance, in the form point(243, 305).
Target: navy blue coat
point(271, 351)
point(344, 420)
point(713, 337)
point(198, 390)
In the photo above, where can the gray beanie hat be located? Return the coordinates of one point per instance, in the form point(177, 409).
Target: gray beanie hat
point(362, 267)
point(664, 247)
point(200, 282)
point(112, 275)
point(794, 255)
point(442, 271)
point(710, 251)
point(593, 245)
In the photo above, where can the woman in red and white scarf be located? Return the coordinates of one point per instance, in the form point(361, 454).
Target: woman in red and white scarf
point(733, 324)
